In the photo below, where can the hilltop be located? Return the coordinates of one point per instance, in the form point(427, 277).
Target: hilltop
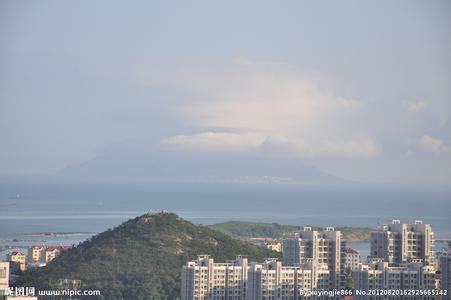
point(246, 230)
point(141, 258)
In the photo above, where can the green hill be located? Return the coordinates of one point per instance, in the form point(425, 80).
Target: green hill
point(141, 258)
point(246, 230)
point(240, 229)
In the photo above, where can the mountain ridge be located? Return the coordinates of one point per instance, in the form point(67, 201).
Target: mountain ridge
point(147, 160)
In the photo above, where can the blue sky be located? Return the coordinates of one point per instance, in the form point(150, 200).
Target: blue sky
point(359, 89)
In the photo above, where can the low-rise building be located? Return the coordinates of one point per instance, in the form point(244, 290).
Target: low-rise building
point(18, 257)
point(51, 252)
point(6, 292)
point(69, 284)
point(274, 245)
point(41, 255)
point(36, 254)
point(4, 275)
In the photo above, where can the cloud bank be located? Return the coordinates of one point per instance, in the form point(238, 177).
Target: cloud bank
point(434, 145)
point(270, 109)
point(414, 107)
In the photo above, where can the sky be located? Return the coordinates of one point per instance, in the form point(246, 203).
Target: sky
point(358, 89)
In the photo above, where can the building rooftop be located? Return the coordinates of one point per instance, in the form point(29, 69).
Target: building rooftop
point(272, 242)
point(351, 251)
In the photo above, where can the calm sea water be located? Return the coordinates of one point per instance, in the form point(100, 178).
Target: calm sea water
point(32, 206)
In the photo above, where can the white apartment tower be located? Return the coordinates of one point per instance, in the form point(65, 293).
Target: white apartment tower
point(445, 269)
point(294, 250)
point(271, 280)
point(236, 280)
point(322, 247)
point(378, 275)
point(400, 243)
point(204, 279)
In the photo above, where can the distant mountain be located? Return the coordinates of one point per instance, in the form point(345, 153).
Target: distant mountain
point(141, 258)
point(239, 229)
point(150, 161)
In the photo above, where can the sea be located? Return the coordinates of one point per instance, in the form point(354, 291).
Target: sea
point(65, 212)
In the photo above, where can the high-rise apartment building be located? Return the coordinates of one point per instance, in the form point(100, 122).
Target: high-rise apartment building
point(352, 259)
point(377, 275)
point(322, 247)
point(294, 250)
point(271, 280)
point(400, 243)
point(205, 279)
point(445, 269)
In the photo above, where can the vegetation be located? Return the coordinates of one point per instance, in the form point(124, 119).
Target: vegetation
point(240, 229)
point(141, 258)
point(349, 280)
point(356, 234)
point(246, 230)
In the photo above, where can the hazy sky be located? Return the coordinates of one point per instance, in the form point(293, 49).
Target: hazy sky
point(359, 89)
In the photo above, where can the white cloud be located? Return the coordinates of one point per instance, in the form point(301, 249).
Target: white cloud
point(350, 103)
point(357, 148)
point(414, 107)
point(271, 109)
point(248, 142)
point(435, 145)
point(243, 61)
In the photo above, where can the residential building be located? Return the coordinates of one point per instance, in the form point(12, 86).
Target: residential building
point(271, 280)
point(352, 259)
point(445, 270)
point(205, 279)
point(36, 254)
point(41, 255)
point(379, 275)
point(294, 250)
point(51, 252)
point(17, 257)
point(273, 245)
point(69, 284)
point(4, 275)
point(400, 243)
point(323, 247)
point(5, 289)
